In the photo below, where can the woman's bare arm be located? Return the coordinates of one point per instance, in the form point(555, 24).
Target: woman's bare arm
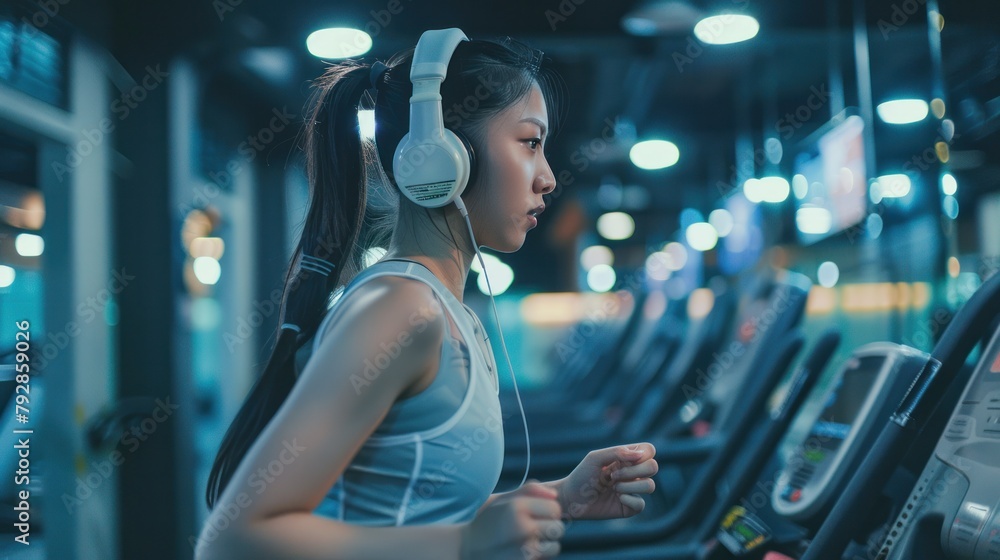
point(388, 336)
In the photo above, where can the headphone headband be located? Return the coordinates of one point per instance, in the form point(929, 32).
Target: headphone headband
point(432, 165)
point(427, 71)
point(433, 52)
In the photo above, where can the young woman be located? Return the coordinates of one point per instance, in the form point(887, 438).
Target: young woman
point(389, 442)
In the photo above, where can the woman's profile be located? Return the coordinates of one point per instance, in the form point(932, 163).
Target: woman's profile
point(387, 443)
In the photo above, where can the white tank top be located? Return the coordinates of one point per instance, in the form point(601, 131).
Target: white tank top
point(437, 455)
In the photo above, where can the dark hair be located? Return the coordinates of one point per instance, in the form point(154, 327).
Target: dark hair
point(353, 202)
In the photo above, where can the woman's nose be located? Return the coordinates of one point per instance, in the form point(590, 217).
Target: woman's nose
point(545, 182)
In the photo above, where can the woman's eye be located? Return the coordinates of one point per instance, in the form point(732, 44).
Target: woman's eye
point(536, 142)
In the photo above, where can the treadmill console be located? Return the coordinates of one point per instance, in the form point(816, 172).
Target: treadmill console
point(954, 510)
point(864, 394)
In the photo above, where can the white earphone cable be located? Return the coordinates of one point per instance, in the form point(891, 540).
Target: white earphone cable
point(465, 214)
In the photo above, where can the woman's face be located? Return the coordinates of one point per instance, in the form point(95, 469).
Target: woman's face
point(513, 175)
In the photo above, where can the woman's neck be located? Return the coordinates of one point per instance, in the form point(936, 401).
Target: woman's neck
point(417, 238)
point(451, 270)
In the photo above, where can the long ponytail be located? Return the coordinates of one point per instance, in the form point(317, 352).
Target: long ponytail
point(335, 167)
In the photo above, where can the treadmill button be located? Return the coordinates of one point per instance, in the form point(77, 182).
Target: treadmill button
point(965, 529)
point(991, 427)
point(992, 400)
point(961, 427)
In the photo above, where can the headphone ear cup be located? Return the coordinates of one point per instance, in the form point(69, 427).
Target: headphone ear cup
point(473, 167)
point(431, 171)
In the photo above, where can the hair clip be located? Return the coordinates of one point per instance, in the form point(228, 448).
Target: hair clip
point(316, 264)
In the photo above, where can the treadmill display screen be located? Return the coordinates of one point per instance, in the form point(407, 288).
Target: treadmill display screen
point(845, 402)
point(741, 531)
point(814, 458)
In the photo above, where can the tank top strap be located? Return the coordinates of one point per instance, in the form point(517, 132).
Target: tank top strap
point(468, 326)
point(408, 268)
point(413, 270)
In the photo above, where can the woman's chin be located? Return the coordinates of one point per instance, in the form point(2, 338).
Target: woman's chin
point(519, 242)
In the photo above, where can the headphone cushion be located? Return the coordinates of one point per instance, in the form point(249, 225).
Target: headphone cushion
point(473, 168)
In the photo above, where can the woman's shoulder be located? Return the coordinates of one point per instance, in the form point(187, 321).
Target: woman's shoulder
point(387, 309)
point(390, 323)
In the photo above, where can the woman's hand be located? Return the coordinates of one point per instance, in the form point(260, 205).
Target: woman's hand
point(522, 524)
point(608, 483)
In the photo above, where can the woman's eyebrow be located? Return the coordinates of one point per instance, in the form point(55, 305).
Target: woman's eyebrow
point(540, 124)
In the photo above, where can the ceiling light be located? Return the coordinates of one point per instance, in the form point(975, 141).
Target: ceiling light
point(29, 244)
point(814, 220)
point(500, 278)
point(601, 278)
point(615, 226)
point(902, 111)
point(490, 261)
point(800, 186)
point(7, 276)
point(654, 154)
point(701, 236)
point(725, 29)
point(207, 270)
point(948, 184)
point(896, 185)
point(766, 189)
point(338, 42)
point(828, 274)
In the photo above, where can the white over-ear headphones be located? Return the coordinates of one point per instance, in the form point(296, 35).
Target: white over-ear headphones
point(432, 165)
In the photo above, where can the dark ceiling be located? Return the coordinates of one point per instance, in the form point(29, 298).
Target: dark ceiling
point(704, 98)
